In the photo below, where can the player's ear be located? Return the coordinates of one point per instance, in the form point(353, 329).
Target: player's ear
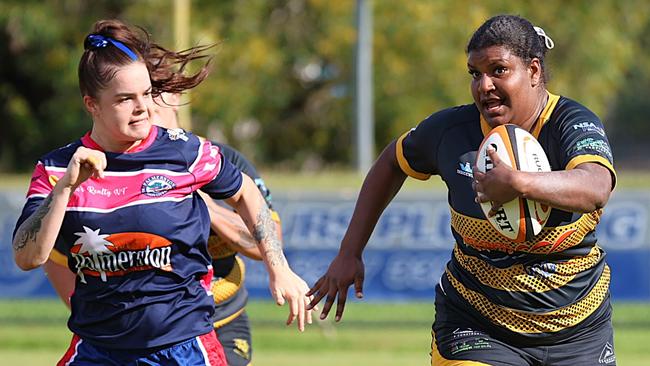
point(91, 104)
point(535, 71)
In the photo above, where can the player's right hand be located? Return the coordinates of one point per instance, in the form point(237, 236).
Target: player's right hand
point(84, 163)
point(342, 272)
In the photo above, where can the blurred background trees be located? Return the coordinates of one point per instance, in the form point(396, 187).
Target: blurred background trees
point(281, 88)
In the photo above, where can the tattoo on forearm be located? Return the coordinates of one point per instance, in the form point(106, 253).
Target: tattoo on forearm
point(30, 228)
point(244, 239)
point(265, 233)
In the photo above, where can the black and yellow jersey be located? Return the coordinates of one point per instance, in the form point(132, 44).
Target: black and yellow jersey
point(536, 290)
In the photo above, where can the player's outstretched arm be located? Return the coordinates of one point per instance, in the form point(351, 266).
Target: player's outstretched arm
point(285, 285)
point(383, 181)
point(35, 237)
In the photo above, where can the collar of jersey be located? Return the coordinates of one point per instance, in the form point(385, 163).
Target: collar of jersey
point(543, 117)
point(88, 142)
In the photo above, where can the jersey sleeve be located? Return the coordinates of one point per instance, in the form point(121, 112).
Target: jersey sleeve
point(583, 140)
point(416, 150)
point(40, 186)
point(214, 174)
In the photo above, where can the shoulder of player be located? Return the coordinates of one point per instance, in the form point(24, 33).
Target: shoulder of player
point(568, 111)
point(60, 157)
point(450, 118)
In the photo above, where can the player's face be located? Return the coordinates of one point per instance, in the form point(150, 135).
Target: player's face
point(163, 110)
point(504, 87)
point(120, 111)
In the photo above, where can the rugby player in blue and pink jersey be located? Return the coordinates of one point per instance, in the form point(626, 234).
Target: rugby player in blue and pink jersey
point(122, 203)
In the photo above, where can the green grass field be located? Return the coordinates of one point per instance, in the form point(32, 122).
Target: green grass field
point(34, 333)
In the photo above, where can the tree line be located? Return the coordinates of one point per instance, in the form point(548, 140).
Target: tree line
point(281, 88)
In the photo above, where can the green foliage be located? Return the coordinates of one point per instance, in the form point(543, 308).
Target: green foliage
point(282, 87)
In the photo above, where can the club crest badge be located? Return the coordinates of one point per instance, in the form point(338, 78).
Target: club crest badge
point(157, 185)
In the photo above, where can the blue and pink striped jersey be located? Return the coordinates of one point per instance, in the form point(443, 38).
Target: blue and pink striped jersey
point(137, 238)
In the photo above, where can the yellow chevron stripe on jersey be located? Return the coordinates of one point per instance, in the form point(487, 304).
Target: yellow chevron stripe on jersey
point(228, 319)
point(404, 164)
point(529, 322)
point(545, 115)
point(541, 121)
point(224, 288)
point(515, 278)
point(58, 258)
point(479, 234)
point(438, 360)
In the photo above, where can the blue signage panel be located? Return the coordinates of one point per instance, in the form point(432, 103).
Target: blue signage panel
point(405, 256)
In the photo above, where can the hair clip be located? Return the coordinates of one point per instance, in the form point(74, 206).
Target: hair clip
point(94, 41)
point(548, 42)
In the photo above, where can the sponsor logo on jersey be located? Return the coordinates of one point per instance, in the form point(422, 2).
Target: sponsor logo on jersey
point(544, 270)
point(106, 255)
point(465, 169)
point(242, 348)
point(465, 164)
point(466, 332)
point(176, 134)
point(157, 185)
point(607, 354)
point(589, 127)
point(600, 146)
point(480, 342)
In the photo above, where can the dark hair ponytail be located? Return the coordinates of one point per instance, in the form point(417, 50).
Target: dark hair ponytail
point(113, 44)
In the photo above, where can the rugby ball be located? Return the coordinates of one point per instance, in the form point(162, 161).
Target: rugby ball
point(520, 219)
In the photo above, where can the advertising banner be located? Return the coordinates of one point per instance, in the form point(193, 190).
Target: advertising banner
point(405, 256)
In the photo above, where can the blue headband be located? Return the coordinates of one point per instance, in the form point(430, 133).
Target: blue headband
point(94, 41)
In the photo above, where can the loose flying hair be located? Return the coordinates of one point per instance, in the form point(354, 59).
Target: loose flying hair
point(516, 34)
point(98, 65)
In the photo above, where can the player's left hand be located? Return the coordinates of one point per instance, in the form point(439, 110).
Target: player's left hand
point(286, 286)
point(496, 185)
point(344, 271)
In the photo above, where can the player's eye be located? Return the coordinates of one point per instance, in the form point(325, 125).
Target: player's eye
point(500, 70)
point(475, 74)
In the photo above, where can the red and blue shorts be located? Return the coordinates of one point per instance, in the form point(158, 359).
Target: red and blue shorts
point(204, 350)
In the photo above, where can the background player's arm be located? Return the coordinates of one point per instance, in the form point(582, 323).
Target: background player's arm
point(232, 231)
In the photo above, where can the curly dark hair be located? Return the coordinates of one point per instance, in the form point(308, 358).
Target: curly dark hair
point(515, 33)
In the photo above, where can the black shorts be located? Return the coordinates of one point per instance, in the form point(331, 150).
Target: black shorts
point(461, 338)
point(235, 337)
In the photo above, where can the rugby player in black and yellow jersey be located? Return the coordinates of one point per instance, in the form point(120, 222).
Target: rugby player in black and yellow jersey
point(540, 302)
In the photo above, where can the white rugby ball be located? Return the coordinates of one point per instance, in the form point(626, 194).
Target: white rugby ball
point(520, 219)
